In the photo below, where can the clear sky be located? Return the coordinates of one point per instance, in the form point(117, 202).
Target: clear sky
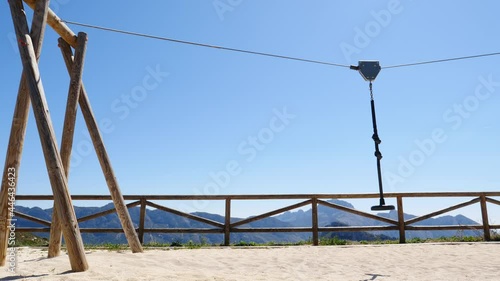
point(177, 116)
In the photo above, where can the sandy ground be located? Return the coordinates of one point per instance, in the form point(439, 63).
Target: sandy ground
point(475, 261)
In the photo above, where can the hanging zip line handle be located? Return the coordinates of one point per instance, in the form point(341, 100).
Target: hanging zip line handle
point(369, 71)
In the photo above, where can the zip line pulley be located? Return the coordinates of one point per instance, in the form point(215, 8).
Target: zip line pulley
point(369, 71)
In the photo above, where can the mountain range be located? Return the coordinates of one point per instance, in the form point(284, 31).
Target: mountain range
point(300, 218)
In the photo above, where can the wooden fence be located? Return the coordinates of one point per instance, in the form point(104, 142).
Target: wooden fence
point(313, 200)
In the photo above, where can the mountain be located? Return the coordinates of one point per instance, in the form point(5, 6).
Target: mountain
point(301, 218)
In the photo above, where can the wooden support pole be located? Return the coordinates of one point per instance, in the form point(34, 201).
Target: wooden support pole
point(314, 212)
point(401, 220)
point(486, 223)
point(227, 223)
point(142, 220)
point(67, 136)
point(102, 155)
point(18, 128)
point(53, 161)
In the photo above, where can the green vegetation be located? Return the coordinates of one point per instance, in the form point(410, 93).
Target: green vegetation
point(245, 244)
point(178, 244)
point(108, 246)
point(30, 240)
point(374, 242)
point(447, 239)
point(332, 241)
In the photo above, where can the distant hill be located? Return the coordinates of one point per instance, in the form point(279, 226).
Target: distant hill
point(300, 218)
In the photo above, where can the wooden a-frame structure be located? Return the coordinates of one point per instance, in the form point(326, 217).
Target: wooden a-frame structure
point(31, 90)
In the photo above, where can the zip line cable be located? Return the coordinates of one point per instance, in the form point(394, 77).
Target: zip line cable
point(203, 45)
point(266, 54)
point(442, 60)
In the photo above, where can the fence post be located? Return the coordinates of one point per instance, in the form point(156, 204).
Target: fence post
point(315, 221)
point(227, 223)
point(142, 217)
point(484, 213)
point(401, 220)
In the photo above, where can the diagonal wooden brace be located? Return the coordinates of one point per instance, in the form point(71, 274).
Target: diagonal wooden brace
point(53, 160)
point(105, 162)
point(68, 134)
point(18, 128)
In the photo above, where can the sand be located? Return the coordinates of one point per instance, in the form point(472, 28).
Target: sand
point(462, 261)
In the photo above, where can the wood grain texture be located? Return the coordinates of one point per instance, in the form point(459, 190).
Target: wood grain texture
point(486, 222)
point(68, 134)
point(104, 160)
point(142, 218)
point(314, 209)
point(401, 220)
point(19, 123)
point(56, 23)
point(52, 157)
point(227, 223)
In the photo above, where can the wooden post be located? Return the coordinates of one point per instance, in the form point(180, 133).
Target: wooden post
point(18, 128)
point(315, 221)
point(401, 220)
point(486, 223)
point(227, 223)
point(102, 155)
point(68, 133)
point(142, 218)
point(53, 161)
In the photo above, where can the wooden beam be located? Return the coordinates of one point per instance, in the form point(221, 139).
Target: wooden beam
point(314, 211)
point(102, 155)
point(142, 220)
point(31, 218)
point(227, 223)
point(356, 228)
point(68, 133)
point(443, 227)
point(184, 230)
point(107, 212)
point(53, 160)
point(356, 212)
point(401, 220)
point(486, 222)
point(272, 229)
point(491, 200)
point(18, 128)
point(56, 23)
point(186, 215)
point(446, 210)
point(272, 196)
point(271, 213)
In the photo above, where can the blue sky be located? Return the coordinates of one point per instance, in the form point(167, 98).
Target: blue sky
point(175, 115)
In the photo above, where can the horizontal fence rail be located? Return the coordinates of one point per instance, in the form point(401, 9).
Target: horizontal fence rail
point(314, 200)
